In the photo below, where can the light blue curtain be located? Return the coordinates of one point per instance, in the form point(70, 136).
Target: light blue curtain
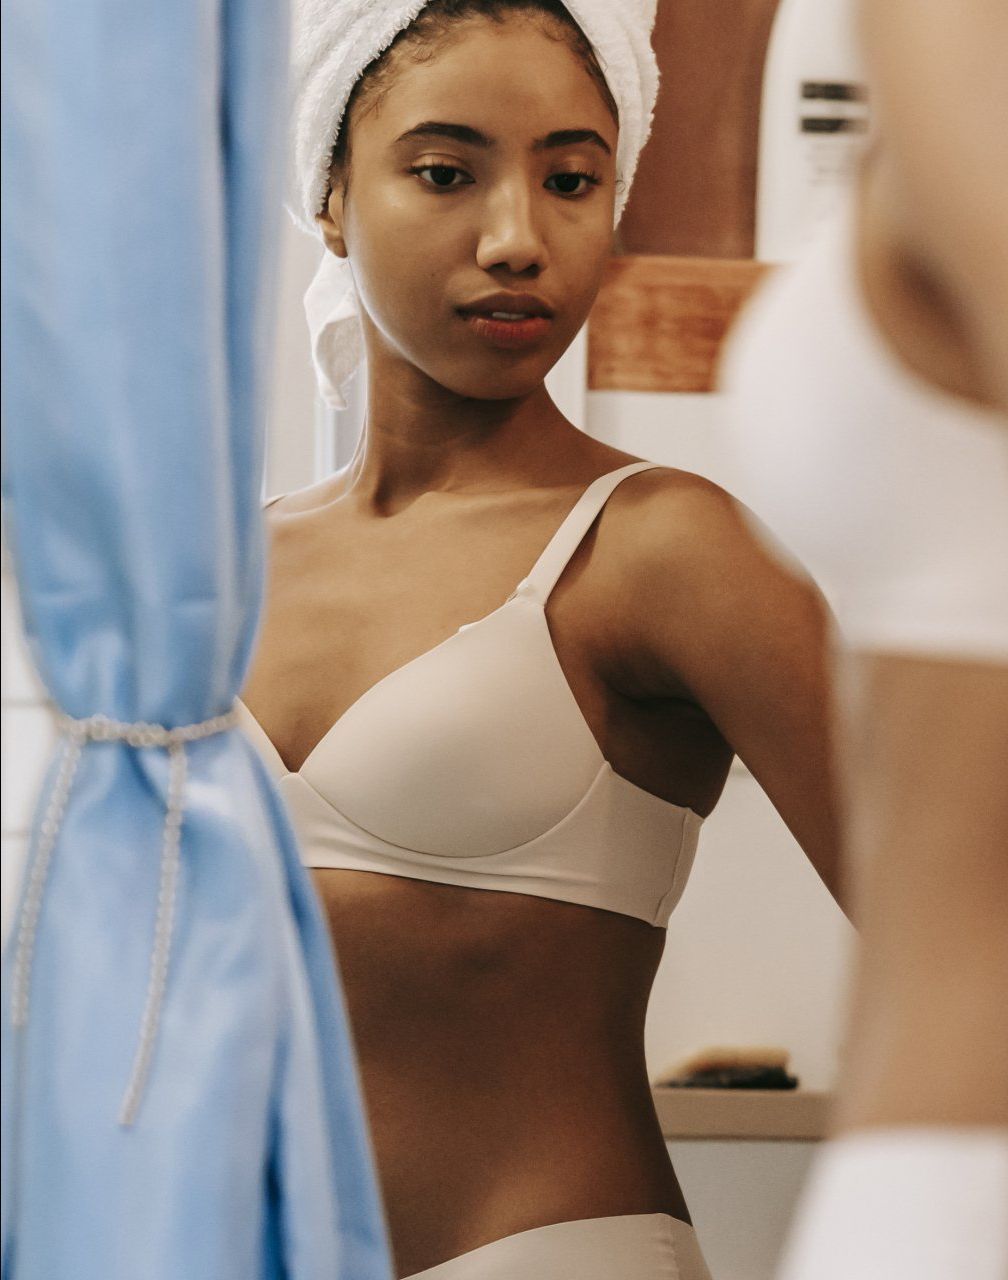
point(181, 1101)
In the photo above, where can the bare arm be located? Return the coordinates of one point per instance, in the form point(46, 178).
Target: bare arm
point(940, 92)
point(714, 610)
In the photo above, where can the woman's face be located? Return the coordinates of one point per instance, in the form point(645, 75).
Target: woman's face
point(488, 170)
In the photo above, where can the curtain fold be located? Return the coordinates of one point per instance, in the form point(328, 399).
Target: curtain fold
point(142, 155)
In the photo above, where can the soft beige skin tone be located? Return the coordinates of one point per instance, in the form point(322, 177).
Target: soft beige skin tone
point(500, 1036)
point(926, 739)
point(928, 1041)
point(940, 94)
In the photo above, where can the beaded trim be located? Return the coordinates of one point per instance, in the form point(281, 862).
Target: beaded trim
point(99, 728)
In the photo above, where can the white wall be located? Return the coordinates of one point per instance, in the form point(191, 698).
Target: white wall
point(741, 1196)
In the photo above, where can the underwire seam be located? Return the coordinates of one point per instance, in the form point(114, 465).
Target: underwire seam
point(100, 728)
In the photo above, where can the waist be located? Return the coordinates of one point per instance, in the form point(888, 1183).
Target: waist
point(500, 1039)
point(445, 965)
point(460, 1172)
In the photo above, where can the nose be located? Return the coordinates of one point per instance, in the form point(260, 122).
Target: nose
point(509, 233)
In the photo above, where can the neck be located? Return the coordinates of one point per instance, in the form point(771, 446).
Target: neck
point(433, 440)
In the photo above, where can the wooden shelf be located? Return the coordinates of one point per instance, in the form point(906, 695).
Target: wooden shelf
point(658, 322)
point(756, 1115)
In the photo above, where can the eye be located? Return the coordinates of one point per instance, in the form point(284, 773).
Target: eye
point(569, 181)
point(441, 175)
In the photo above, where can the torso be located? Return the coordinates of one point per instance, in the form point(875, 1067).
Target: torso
point(500, 1036)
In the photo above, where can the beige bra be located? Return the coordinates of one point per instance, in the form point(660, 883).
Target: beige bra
point(473, 765)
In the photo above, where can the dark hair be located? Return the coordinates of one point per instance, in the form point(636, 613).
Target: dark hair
point(419, 41)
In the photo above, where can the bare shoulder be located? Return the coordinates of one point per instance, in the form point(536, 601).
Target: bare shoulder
point(693, 576)
point(704, 603)
point(691, 533)
point(687, 522)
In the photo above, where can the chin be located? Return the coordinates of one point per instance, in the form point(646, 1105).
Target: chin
point(506, 384)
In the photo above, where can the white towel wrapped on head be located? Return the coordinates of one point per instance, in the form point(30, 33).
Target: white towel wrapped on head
point(333, 42)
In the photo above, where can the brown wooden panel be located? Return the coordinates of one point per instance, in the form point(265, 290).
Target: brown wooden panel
point(658, 322)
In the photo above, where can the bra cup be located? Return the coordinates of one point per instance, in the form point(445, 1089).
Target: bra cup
point(895, 502)
point(619, 848)
point(476, 748)
point(473, 765)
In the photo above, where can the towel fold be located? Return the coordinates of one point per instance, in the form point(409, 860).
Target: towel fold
point(337, 343)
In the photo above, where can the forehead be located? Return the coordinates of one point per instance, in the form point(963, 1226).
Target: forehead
point(509, 78)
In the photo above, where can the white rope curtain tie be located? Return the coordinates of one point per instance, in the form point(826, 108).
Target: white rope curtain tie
point(99, 728)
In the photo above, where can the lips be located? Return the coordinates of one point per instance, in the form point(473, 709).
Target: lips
point(508, 320)
point(513, 306)
point(509, 335)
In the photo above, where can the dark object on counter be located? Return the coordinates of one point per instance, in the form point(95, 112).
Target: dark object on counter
point(731, 1067)
point(735, 1078)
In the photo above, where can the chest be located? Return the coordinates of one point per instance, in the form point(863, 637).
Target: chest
point(346, 606)
point(369, 620)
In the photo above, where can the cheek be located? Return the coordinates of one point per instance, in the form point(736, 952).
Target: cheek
point(401, 280)
point(407, 304)
point(590, 251)
point(410, 267)
point(402, 256)
point(580, 267)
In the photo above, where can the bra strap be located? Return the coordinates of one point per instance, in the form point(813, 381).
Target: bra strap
point(548, 568)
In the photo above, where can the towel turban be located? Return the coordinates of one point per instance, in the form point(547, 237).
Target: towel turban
point(333, 42)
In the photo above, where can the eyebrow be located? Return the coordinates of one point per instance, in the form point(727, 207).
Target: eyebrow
point(465, 133)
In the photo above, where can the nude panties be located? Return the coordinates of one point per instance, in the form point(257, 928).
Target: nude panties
point(639, 1246)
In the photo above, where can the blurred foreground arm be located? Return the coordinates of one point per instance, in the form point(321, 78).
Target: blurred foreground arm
point(940, 94)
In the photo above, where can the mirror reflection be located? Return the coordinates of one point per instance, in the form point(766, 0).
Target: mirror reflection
point(505, 663)
point(634, 625)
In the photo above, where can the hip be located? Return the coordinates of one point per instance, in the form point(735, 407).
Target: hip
point(641, 1246)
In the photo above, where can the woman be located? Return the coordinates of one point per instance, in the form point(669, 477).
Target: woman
point(877, 448)
point(528, 785)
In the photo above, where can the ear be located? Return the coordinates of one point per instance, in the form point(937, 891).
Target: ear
point(330, 222)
